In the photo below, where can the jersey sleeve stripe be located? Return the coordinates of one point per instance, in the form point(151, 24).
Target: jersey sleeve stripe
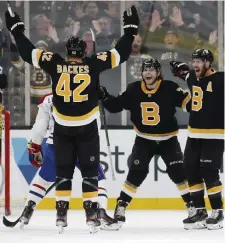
point(115, 58)
point(185, 101)
point(36, 54)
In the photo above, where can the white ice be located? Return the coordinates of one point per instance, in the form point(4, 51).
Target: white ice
point(141, 227)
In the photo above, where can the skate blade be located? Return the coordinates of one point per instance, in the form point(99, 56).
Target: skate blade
point(60, 229)
point(215, 226)
point(92, 227)
point(111, 227)
point(61, 225)
point(196, 225)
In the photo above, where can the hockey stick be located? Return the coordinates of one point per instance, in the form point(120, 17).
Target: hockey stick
point(104, 117)
point(12, 224)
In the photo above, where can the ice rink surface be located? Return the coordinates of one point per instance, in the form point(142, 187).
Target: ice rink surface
point(141, 227)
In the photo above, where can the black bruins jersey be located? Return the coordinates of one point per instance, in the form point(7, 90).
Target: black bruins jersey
point(75, 85)
point(207, 106)
point(152, 111)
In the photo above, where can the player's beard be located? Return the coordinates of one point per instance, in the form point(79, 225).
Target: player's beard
point(203, 72)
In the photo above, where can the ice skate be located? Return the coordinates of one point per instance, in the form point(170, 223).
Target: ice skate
point(27, 213)
point(197, 221)
point(91, 210)
point(119, 213)
point(215, 221)
point(61, 216)
point(107, 223)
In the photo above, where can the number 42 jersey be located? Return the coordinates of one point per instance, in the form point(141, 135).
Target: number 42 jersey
point(75, 85)
point(152, 111)
point(207, 106)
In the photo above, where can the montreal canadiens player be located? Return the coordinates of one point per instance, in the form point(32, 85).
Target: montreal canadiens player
point(46, 175)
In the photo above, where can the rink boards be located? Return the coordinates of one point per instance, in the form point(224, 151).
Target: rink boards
point(157, 192)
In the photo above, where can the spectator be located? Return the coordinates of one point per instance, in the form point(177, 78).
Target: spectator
point(87, 37)
point(40, 83)
point(105, 37)
point(87, 14)
point(138, 54)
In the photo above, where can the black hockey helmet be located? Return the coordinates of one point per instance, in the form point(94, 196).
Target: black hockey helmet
point(203, 54)
point(151, 63)
point(76, 47)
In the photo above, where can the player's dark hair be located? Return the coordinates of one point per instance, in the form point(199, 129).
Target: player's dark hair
point(76, 47)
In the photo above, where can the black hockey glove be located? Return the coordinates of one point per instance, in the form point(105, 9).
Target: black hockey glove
point(102, 93)
point(14, 24)
point(131, 21)
point(3, 79)
point(179, 69)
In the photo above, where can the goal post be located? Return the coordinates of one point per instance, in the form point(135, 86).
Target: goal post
point(5, 160)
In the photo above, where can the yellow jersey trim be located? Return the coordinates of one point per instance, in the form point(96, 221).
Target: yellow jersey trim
point(156, 135)
point(113, 60)
point(153, 91)
point(207, 131)
point(75, 118)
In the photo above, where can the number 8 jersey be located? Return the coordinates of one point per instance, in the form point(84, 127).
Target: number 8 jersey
point(152, 111)
point(207, 106)
point(75, 85)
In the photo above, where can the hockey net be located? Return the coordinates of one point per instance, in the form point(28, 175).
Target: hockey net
point(8, 201)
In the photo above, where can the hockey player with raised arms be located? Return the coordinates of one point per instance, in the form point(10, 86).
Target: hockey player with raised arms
point(75, 82)
point(204, 149)
point(153, 116)
point(46, 176)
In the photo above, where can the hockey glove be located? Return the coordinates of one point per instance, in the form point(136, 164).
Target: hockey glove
point(103, 93)
point(131, 21)
point(179, 69)
point(14, 24)
point(35, 154)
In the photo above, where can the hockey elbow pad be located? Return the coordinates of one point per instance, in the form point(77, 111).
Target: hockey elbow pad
point(35, 154)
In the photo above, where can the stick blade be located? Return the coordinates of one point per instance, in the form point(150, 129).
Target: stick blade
point(10, 224)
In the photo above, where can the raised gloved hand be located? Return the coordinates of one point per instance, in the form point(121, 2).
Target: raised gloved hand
point(179, 69)
point(35, 154)
point(14, 24)
point(103, 93)
point(131, 21)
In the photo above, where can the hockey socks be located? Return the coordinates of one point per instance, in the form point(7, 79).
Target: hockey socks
point(184, 191)
point(38, 189)
point(102, 195)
